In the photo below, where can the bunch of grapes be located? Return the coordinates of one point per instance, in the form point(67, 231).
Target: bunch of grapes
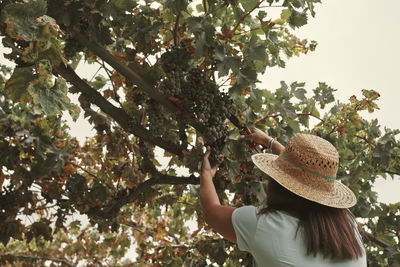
point(156, 117)
point(177, 59)
point(211, 107)
point(72, 46)
point(200, 97)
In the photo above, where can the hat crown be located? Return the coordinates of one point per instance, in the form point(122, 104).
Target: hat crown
point(312, 153)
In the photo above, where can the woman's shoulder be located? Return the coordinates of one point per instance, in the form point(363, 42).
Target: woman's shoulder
point(263, 210)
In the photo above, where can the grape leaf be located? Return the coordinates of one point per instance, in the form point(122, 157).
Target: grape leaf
point(20, 18)
point(53, 100)
point(18, 83)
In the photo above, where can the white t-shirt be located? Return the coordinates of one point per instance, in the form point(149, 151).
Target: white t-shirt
point(271, 239)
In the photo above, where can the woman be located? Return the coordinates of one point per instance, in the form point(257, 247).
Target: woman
point(306, 222)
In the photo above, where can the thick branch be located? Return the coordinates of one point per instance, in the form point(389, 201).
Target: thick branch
point(13, 257)
point(118, 114)
point(126, 196)
point(125, 70)
point(158, 178)
point(134, 77)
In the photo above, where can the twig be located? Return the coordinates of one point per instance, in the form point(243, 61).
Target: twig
point(223, 83)
point(113, 85)
point(205, 6)
point(88, 172)
point(374, 239)
point(94, 75)
point(281, 115)
point(366, 140)
point(270, 6)
point(176, 28)
point(245, 15)
point(253, 29)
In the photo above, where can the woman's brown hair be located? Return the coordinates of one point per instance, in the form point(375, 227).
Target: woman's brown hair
point(329, 231)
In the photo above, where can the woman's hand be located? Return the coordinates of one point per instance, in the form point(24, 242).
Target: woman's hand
point(208, 172)
point(257, 137)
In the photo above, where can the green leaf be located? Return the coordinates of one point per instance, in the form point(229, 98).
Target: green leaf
point(297, 19)
point(127, 5)
point(194, 24)
point(299, 93)
point(262, 14)
point(201, 45)
point(324, 94)
point(249, 4)
point(18, 83)
point(219, 53)
point(294, 125)
point(257, 51)
point(20, 18)
point(298, 3)
point(53, 100)
point(285, 14)
point(229, 63)
point(74, 111)
point(176, 6)
point(99, 82)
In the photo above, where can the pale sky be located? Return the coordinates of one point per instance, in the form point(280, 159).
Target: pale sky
point(357, 49)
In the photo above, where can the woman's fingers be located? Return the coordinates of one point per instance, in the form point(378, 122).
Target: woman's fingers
point(245, 137)
point(208, 152)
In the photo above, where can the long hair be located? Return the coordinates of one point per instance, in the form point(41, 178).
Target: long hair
point(327, 230)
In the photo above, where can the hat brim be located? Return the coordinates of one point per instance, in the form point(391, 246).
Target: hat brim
point(290, 177)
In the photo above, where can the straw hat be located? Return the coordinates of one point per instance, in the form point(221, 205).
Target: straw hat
point(307, 167)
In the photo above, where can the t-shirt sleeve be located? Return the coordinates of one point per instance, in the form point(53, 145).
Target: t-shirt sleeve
point(244, 221)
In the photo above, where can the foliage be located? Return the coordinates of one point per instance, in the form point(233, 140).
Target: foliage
point(116, 179)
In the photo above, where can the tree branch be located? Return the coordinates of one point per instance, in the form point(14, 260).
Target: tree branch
point(205, 6)
point(371, 237)
point(12, 257)
point(158, 178)
point(174, 33)
point(281, 115)
point(117, 98)
point(126, 71)
point(245, 15)
point(118, 114)
point(133, 77)
point(88, 172)
point(366, 140)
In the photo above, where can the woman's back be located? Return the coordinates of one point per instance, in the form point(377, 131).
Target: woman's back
point(273, 240)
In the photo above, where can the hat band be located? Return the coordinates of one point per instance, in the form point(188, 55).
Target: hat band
point(330, 178)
